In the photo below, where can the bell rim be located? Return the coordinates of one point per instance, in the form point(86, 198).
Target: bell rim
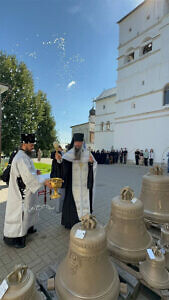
point(107, 292)
point(156, 284)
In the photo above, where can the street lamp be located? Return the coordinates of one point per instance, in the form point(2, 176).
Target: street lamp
point(3, 89)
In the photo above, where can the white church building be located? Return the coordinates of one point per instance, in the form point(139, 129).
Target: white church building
point(88, 129)
point(138, 111)
point(105, 113)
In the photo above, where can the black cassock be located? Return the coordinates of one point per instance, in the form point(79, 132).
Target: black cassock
point(69, 211)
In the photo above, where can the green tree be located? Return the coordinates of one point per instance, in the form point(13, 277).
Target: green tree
point(46, 133)
point(22, 109)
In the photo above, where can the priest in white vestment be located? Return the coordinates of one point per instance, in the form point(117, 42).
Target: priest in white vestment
point(24, 183)
point(79, 170)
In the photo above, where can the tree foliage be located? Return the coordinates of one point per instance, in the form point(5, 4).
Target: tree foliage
point(22, 109)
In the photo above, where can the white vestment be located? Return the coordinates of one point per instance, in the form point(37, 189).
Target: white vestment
point(21, 211)
point(79, 180)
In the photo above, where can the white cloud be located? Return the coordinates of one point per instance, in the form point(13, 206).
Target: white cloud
point(71, 84)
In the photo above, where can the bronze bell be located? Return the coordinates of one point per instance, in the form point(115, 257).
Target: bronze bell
point(127, 236)
point(153, 270)
point(21, 283)
point(86, 272)
point(166, 254)
point(163, 243)
point(155, 195)
point(164, 235)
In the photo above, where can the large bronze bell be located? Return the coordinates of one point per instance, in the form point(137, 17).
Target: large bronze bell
point(127, 236)
point(21, 283)
point(153, 270)
point(86, 272)
point(155, 196)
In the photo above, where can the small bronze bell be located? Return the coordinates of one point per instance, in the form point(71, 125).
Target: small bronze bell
point(127, 236)
point(163, 243)
point(86, 272)
point(166, 254)
point(153, 270)
point(164, 235)
point(21, 283)
point(155, 195)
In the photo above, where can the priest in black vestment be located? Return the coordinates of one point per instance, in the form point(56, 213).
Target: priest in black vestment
point(79, 169)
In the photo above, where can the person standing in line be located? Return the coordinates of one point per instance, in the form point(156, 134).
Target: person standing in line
point(151, 157)
point(146, 157)
point(137, 156)
point(121, 155)
point(141, 160)
point(125, 152)
point(168, 161)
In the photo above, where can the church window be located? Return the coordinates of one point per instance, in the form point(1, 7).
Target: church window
point(130, 57)
point(130, 29)
point(133, 105)
point(147, 48)
point(108, 125)
point(148, 17)
point(104, 106)
point(102, 126)
point(166, 95)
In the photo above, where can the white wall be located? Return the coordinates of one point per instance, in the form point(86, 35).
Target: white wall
point(138, 21)
point(105, 139)
point(141, 120)
point(142, 134)
point(85, 128)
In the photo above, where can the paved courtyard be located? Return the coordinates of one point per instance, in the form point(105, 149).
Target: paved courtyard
point(50, 244)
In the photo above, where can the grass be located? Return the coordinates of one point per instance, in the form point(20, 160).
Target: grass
point(1, 170)
point(44, 168)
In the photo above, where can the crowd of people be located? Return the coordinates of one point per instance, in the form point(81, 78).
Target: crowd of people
point(111, 157)
point(144, 157)
point(120, 156)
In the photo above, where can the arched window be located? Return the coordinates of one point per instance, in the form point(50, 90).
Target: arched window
point(166, 95)
point(108, 125)
point(147, 46)
point(129, 56)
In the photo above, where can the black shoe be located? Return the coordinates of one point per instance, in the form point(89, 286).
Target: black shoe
point(19, 242)
point(9, 241)
point(31, 230)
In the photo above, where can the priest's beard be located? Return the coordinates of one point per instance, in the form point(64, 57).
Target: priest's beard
point(29, 153)
point(77, 152)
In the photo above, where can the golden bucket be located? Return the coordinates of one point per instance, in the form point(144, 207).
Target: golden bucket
point(153, 270)
point(127, 236)
point(155, 196)
point(21, 285)
point(87, 272)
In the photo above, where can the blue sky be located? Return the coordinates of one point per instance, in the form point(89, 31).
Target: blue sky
point(70, 46)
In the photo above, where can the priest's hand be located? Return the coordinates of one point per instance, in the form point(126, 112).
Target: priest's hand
point(48, 184)
point(58, 156)
point(91, 159)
